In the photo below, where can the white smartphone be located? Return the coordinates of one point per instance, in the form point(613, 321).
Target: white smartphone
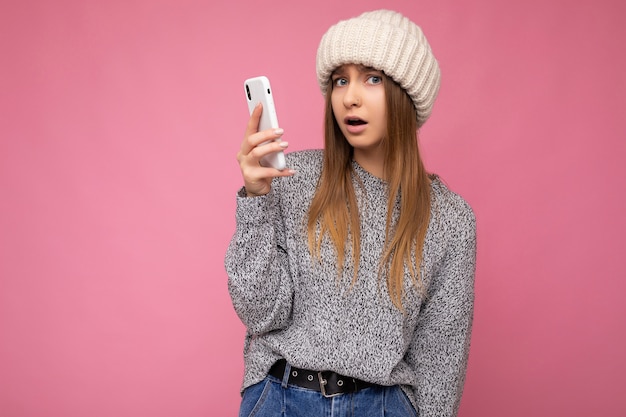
point(257, 90)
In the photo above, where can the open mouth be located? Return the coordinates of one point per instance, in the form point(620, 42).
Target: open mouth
point(354, 121)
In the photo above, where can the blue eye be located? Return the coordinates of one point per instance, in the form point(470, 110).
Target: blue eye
point(340, 82)
point(375, 79)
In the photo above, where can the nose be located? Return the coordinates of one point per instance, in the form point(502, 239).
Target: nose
point(352, 97)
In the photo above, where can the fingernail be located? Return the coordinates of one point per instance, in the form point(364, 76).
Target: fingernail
point(278, 131)
point(283, 144)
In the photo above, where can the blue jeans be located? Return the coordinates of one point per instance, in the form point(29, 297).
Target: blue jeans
point(273, 398)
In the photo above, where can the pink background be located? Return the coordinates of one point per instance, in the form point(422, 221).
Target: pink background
point(119, 124)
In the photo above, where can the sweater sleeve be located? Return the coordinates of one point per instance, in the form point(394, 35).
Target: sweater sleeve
point(256, 262)
point(440, 347)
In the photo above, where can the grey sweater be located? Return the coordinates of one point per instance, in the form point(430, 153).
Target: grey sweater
point(296, 307)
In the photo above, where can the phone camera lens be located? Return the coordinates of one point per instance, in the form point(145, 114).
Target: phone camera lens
point(248, 92)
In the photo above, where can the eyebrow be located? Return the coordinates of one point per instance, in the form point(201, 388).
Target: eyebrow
point(360, 67)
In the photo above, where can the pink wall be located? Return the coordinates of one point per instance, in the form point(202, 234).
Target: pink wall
point(119, 123)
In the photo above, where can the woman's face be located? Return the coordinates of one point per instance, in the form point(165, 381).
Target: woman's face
point(358, 101)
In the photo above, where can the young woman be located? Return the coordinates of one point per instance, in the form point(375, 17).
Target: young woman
point(353, 269)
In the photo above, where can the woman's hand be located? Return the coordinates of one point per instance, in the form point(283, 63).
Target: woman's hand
point(258, 179)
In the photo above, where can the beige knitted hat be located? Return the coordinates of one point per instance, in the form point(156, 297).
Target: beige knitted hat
point(389, 42)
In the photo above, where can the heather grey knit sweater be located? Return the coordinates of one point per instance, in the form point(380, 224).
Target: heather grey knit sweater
point(296, 308)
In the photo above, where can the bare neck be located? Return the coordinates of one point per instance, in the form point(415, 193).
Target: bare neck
point(372, 162)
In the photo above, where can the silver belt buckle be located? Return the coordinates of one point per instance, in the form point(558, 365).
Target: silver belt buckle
point(323, 383)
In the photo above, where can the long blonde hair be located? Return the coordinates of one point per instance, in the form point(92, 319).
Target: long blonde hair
point(334, 210)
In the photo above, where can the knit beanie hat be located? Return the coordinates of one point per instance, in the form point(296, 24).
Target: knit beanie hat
point(387, 41)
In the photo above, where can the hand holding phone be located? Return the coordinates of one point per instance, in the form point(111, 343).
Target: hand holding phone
point(258, 90)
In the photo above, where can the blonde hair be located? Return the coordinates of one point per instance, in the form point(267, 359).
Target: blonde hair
point(334, 210)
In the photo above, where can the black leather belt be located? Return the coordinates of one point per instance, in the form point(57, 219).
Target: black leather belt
point(328, 383)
